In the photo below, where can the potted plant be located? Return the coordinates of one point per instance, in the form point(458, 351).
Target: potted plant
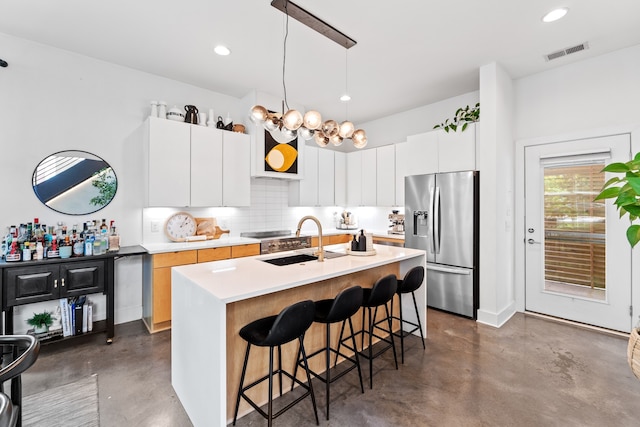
point(41, 322)
point(461, 119)
point(626, 191)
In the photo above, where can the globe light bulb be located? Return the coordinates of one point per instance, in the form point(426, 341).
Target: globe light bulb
point(292, 120)
point(320, 138)
point(346, 129)
point(330, 128)
point(336, 140)
point(305, 133)
point(359, 138)
point(312, 120)
point(258, 114)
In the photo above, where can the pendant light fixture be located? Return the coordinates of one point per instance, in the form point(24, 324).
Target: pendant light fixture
point(287, 126)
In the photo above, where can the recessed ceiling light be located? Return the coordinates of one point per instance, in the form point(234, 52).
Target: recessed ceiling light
point(555, 14)
point(222, 50)
point(345, 98)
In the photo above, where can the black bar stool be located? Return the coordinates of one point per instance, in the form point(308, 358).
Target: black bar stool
point(272, 331)
point(411, 283)
point(328, 311)
point(382, 292)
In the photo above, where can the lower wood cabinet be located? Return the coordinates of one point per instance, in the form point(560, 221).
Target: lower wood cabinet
point(156, 288)
point(332, 240)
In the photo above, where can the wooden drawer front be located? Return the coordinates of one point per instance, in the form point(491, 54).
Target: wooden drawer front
point(171, 259)
point(341, 238)
point(245, 250)
point(25, 285)
point(81, 278)
point(161, 294)
point(214, 254)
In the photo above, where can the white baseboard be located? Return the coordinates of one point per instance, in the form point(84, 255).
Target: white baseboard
point(128, 314)
point(497, 319)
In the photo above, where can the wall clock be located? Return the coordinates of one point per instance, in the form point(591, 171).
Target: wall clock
point(179, 226)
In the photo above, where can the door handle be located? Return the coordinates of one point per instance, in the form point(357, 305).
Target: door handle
point(533, 242)
point(55, 283)
point(63, 283)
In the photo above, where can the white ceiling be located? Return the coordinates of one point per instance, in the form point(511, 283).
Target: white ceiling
point(409, 52)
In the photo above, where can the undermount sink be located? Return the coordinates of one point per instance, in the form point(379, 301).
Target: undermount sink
point(298, 258)
point(291, 259)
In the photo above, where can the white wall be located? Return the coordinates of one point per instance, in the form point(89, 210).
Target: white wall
point(495, 162)
point(590, 94)
point(590, 98)
point(394, 129)
point(54, 100)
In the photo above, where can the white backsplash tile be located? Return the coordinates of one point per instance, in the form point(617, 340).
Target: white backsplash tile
point(269, 210)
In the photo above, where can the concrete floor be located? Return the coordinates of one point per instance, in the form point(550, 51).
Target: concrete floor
point(530, 372)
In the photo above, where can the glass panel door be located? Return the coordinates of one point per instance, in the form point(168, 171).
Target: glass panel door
point(577, 259)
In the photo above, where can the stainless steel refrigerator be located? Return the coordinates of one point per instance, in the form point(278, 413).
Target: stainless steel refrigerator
point(441, 217)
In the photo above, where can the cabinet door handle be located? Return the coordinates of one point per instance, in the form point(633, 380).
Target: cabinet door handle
point(63, 283)
point(55, 283)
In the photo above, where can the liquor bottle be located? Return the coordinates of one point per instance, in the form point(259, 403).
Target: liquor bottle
point(26, 252)
point(53, 251)
point(114, 239)
point(14, 253)
point(104, 225)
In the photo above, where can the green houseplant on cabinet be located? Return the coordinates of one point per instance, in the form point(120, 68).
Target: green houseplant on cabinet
point(463, 117)
point(626, 191)
point(41, 322)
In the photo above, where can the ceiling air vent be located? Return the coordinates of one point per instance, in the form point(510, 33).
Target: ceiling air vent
point(567, 51)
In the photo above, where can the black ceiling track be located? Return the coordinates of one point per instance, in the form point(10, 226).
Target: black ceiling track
point(313, 22)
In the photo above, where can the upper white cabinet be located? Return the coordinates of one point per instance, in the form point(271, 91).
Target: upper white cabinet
point(168, 157)
point(354, 178)
point(369, 181)
point(340, 169)
point(457, 150)
point(305, 191)
point(403, 157)
point(317, 188)
point(236, 169)
point(326, 177)
point(386, 176)
point(190, 165)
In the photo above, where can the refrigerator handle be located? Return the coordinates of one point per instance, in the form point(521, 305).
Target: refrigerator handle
point(436, 221)
point(431, 229)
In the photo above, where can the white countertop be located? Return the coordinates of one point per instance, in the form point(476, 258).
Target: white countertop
point(241, 278)
point(156, 248)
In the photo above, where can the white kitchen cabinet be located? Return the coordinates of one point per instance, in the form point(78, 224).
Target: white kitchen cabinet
point(369, 181)
point(168, 157)
point(236, 169)
point(386, 176)
point(354, 178)
point(423, 153)
point(340, 180)
point(326, 177)
point(403, 155)
point(317, 188)
point(206, 150)
point(304, 192)
point(457, 150)
point(190, 165)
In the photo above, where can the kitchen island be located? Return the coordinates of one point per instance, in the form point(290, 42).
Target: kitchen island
point(212, 301)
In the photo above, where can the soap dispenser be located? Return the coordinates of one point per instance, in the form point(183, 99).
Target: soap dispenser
point(362, 242)
point(354, 244)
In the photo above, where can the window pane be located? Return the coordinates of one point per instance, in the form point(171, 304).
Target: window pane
point(574, 228)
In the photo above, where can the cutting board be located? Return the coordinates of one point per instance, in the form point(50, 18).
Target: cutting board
point(208, 227)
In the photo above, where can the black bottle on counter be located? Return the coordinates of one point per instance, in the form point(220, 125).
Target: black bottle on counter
point(354, 244)
point(362, 242)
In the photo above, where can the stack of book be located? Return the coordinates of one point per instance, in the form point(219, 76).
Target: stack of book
point(77, 315)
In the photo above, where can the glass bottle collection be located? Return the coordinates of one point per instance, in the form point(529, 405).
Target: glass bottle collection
point(35, 241)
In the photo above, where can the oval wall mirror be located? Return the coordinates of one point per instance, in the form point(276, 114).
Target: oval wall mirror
point(74, 182)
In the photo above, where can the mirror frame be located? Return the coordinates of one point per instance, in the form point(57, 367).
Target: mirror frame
point(87, 171)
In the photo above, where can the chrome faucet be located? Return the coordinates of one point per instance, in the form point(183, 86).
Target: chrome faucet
point(320, 252)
